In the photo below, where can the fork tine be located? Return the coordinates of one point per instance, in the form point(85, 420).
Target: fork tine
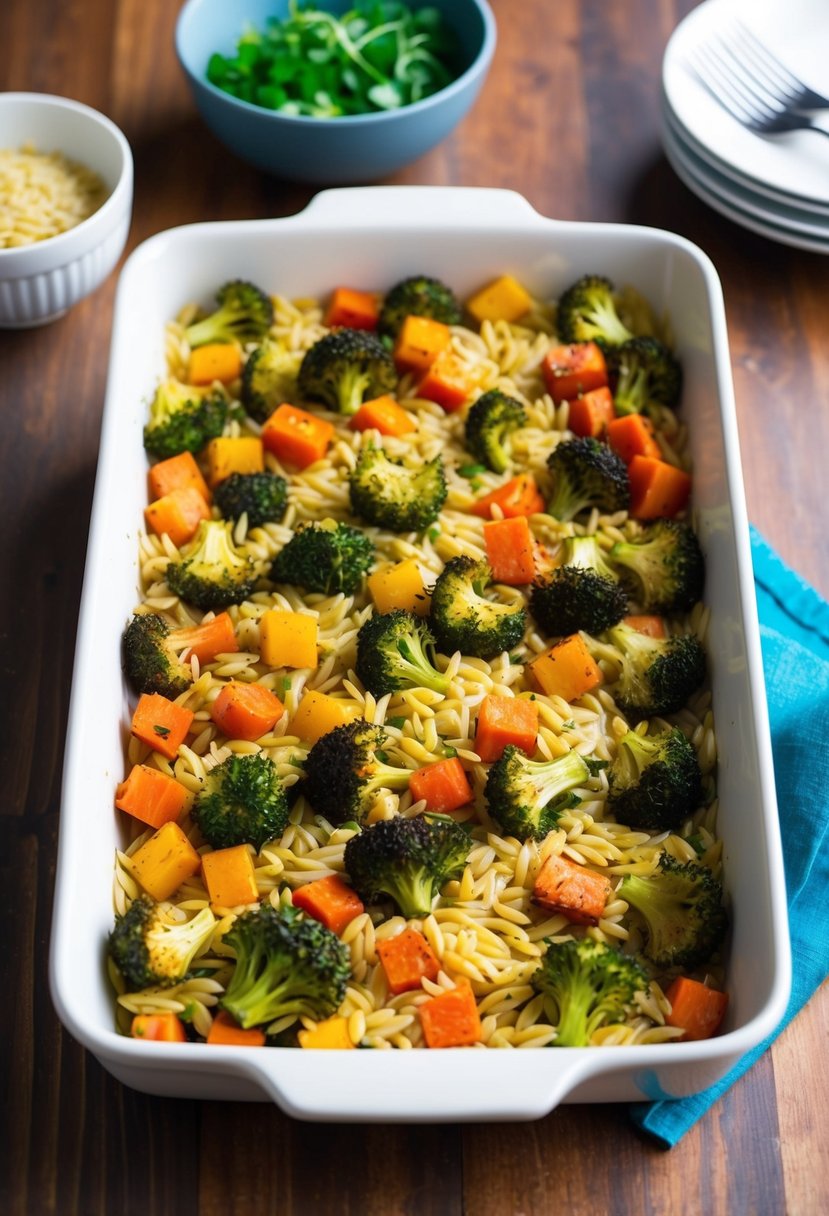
point(774, 70)
point(734, 76)
point(716, 77)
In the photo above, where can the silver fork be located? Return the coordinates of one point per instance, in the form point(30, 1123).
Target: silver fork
point(756, 107)
point(759, 64)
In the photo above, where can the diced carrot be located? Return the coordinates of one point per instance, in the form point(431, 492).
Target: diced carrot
point(215, 361)
point(158, 1028)
point(353, 309)
point(589, 414)
point(407, 960)
point(567, 670)
point(573, 369)
point(330, 1035)
point(329, 900)
point(698, 1009)
point(572, 890)
point(225, 1032)
point(383, 414)
point(229, 876)
point(297, 437)
point(228, 454)
point(318, 713)
point(160, 723)
point(633, 435)
point(510, 550)
point(419, 343)
point(151, 796)
point(657, 489)
point(246, 711)
point(502, 721)
point(451, 1019)
point(447, 382)
point(208, 639)
point(176, 473)
point(165, 861)
point(399, 586)
point(288, 639)
point(504, 299)
point(653, 626)
point(518, 496)
point(445, 785)
point(178, 513)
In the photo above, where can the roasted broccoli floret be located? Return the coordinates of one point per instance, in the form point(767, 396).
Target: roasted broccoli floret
point(242, 802)
point(418, 296)
point(150, 660)
point(681, 904)
point(586, 985)
point(244, 313)
point(587, 312)
point(582, 593)
point(396, 650)
point(343, 773)
point(327, 557)
point(211, 571)
point(346, 368)
point(664, 566)
point(407, 860)
point(527, 796)
point(464, 619)
point(390, 494)
point(489, 424)
point(260, 496)
point(645, 371)
point(657, 675)
point(150, 950)
point(183, 419)
point(655, 780)
point(586, 474)
point(285, 964)
point(268, 379)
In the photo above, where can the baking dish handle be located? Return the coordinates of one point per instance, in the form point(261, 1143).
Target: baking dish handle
point(392, 206)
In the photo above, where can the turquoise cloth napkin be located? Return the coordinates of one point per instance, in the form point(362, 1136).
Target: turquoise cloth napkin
point(794, 634)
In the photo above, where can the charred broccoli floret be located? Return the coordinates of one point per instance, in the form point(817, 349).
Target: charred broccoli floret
point(183, 419)
point(655, 780)
point(657, 675)
point(419, 296)
point(244, 313)
point(150, 659)
point(586, 985)
point(586, 474)
point(390, 494)
point(211, 571)
point(587, 312)
point(343, 773)
point(681, 904)
point(242, 802)
point(582, 593)
point(261, 496)
point(489, 424)
point(407, 860)
point(645, 372)
point(464, 619)
point(327, 557)
point(150, 949)
point(268, 379)
point(664, 566)
point(396, 650)
point(527, 796)
point(346, 368)
point(285, 964)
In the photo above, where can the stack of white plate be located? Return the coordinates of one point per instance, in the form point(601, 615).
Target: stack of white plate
point(776, 185)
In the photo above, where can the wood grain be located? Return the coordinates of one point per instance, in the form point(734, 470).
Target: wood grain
point(570, 118)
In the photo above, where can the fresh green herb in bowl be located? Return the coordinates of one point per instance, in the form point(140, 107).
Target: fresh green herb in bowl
point(380, 55)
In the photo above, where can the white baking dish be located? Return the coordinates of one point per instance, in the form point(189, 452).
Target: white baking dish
point(375, 236)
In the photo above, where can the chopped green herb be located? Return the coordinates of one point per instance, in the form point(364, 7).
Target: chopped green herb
point(570, 724)
point(286, 683)
point(382, 756)
point(397, 723)
point(696, 844)
point(516, 660)
point(471, 470)
point(449, 752)
point(161, 730)
point(433, 534)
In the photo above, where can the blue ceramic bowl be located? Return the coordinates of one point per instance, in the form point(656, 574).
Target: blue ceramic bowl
point(354, 148)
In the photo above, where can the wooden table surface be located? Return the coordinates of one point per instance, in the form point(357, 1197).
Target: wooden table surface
point(569, 117)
